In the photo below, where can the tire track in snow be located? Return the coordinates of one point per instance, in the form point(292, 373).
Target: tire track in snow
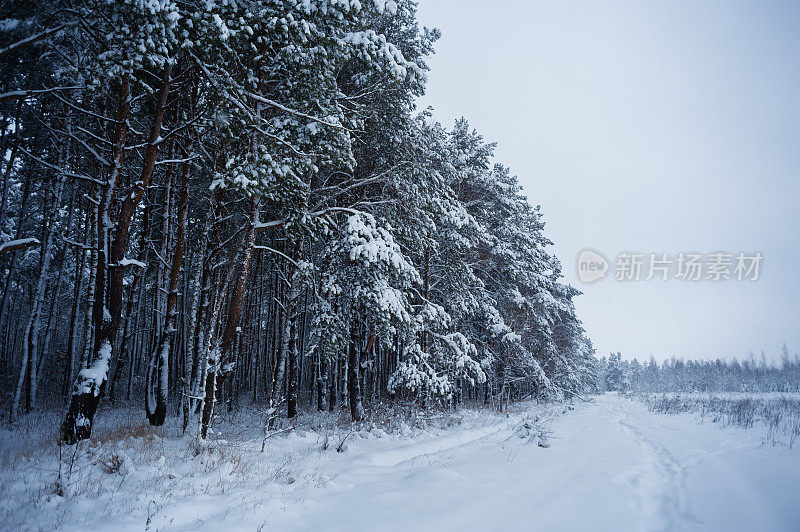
point(407, 453)
point(662, 489)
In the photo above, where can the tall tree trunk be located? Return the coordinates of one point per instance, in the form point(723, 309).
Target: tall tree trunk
point(62, 267)
point(88, 326)
point(11, 161)
point(156, 413)
point(11, 269)
point(291, 347)
point(31, 343)
point(218, 361)
point(292, 385)
point(259, 303)
point(134, 344)
point(354, 375)
point(91, 381)
point(156, 357)
point(126, 354)
point(333, 387)
point(107, 310)
point(200, 310)
point(322, 378)
point(69, 368)
point(281, 344)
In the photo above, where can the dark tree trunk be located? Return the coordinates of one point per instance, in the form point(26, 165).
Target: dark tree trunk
point(291, 388)
point(107, 310)
point(69, 367)
point(322, 379)
point(354, 376)
point(158, 412)
point(220, 367)
point(91, 382)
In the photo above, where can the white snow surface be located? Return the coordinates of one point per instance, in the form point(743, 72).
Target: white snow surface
point(610, 465)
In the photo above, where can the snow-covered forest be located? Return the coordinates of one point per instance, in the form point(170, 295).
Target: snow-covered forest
point(678, 375)
point(212, 205)
point(250, 280)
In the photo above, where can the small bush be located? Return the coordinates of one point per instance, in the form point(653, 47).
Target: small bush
point(111, 463)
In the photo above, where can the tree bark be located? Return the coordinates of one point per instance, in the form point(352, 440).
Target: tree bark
point(91, 382)
point(107, 310)
point(322, 378)
point(156, 413)
point(218, 364)
point(354, 374)
point(69, 369)
point(7, 353)
point(31, 343)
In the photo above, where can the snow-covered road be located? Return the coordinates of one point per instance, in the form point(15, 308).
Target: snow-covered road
point(612, 465)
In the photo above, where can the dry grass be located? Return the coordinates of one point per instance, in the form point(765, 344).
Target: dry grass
point(121, 432)
point(779, 416)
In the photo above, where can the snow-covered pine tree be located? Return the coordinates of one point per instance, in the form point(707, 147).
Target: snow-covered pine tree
point(220, 161)
point(125, 39)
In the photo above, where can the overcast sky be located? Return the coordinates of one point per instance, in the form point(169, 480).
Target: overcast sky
point(645, 126)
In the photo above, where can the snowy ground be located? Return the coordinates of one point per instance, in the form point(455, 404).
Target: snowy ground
point(606, 465)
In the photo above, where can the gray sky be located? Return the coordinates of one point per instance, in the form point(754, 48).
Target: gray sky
point(645, 126)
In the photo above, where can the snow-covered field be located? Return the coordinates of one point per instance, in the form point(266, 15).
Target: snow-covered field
point(777, 415)
point(608, 464)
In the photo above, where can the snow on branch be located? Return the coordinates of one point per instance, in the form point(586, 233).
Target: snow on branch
point(20, 243)
point(31, 39)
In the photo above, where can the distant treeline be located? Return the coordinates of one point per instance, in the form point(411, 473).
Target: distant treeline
point(679, 375)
